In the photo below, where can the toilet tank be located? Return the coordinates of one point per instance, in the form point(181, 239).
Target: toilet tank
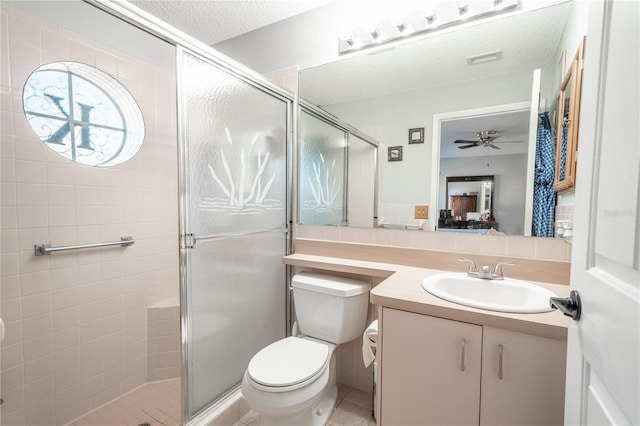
point(330, 308)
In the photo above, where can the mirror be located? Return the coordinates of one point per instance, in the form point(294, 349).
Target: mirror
point(469, 205)
point(569, 118)
point(392, 91)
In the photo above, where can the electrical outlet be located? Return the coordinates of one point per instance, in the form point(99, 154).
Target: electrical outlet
point(422, 212)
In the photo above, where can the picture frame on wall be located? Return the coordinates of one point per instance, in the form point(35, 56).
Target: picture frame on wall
point(395, 153)
point(416, 135)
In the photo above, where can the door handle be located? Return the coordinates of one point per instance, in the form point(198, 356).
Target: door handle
point(570, 306)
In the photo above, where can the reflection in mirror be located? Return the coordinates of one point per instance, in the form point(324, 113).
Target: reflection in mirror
point(569, 112)
point(323, 153)
point(337, 168)
point(565, 100)
point(469, 205)
point(403, 87)
point(468, 149)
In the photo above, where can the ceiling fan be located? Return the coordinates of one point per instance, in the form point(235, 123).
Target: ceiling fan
point(485, 139)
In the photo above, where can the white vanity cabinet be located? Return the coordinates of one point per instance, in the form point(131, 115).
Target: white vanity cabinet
point(436, 371)
point(523, 378)
point(430, 370)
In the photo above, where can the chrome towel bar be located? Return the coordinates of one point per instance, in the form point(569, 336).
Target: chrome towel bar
point(41, 249)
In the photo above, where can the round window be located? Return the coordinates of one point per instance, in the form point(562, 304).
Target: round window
point(83, 114)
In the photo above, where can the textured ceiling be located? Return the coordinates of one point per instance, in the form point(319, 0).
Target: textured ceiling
point(527, 41)
point(212, 21)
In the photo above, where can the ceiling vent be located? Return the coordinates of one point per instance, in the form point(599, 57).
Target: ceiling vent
point(496, 55)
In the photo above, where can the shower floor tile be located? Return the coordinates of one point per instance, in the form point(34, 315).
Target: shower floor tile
point(156, 403)
point(353, 408)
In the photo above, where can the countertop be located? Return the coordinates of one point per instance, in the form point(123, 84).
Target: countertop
point(402, 289)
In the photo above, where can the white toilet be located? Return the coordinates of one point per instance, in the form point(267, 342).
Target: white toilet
point(293, 381)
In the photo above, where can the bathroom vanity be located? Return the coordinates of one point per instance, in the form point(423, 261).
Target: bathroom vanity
point(439, 371)
point(441, 363)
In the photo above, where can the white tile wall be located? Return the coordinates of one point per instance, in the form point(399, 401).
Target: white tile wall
point(76, 321)
point(163, 342)
point(497, 245)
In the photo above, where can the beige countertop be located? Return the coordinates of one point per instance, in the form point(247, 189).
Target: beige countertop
point(402, 289)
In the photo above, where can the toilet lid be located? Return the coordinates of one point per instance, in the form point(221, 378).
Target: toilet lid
point(288, 362)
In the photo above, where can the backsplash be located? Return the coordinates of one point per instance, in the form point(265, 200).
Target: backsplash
point(554, 249)
point(564, 222)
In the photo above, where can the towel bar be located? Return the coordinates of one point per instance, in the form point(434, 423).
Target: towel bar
point(42, 249)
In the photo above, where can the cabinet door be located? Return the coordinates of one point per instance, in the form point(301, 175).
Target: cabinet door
point(523, 379)
point(430, 370)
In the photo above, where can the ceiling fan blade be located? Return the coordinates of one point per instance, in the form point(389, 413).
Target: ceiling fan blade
point(493, 146)
point(465, 141)
point(467, 146)
point(509, 141)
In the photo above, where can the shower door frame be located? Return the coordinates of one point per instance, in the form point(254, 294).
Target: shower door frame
point(188, 242)
point(158, 28)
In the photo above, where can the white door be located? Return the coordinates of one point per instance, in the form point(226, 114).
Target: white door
point(603, 360)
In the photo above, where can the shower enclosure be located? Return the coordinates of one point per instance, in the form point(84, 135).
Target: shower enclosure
point(234, 222)
point(206, 199)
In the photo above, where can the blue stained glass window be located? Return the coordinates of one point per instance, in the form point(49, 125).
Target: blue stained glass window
point(83, 114)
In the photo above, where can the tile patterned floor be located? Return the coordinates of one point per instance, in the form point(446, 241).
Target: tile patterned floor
point(353, 408)
point(157, 404)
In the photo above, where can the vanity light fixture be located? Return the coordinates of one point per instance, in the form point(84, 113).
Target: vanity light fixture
point(498, 4)
point(412, 23)
point(430, 17)
point(400, 25)
point(463, 7)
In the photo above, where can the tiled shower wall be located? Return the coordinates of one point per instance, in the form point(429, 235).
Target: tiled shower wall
point(76, 321)
point(163, 342)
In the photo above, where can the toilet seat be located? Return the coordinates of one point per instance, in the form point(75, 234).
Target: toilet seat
point(288, 364)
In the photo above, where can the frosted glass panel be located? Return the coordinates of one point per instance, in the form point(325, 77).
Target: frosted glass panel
point(362, 169)
point(237, 152)
point(235, 147)
point(322, 172)
point(237, 306)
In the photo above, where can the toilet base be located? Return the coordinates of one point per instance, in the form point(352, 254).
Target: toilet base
point(317, 415)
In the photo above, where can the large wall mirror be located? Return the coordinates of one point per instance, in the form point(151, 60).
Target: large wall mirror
point(435, 85)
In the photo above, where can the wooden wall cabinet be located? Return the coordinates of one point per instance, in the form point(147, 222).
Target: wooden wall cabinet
point(568, 119)
point(435, 371)
point(463, 204)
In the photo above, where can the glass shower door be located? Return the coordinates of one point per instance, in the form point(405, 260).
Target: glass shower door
point(234, 216)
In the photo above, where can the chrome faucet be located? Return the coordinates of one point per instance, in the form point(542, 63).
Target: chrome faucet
point(485, 272)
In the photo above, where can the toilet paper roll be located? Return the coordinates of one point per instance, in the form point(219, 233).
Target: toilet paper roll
point(369, 341)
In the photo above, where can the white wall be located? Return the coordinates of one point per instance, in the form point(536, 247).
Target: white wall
point(509, 185)
point(408, 181)
point(76, 321)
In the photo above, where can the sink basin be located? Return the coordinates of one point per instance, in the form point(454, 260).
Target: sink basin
point(507, 295)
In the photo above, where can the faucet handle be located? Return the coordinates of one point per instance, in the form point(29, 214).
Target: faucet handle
point(472, 265)
point(497, 271)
